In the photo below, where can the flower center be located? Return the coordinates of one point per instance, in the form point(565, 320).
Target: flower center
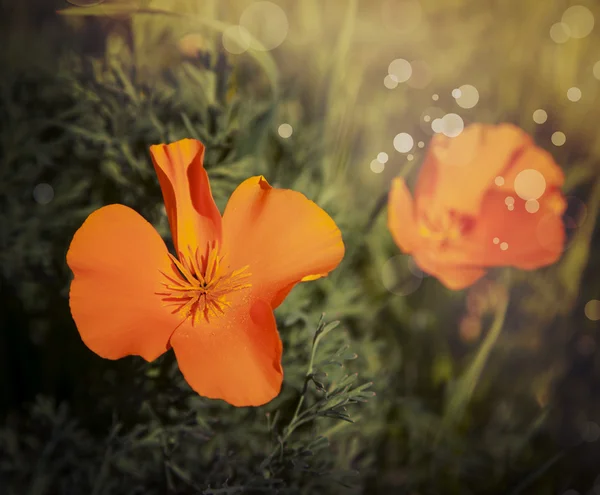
point(445, 228)
point(203, 284)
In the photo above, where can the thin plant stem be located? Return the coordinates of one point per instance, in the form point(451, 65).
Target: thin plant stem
point(467, 383)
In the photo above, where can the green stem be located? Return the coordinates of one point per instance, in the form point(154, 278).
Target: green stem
point(467, 383)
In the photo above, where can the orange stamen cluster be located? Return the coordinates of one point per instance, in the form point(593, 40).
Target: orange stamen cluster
point(203, 284)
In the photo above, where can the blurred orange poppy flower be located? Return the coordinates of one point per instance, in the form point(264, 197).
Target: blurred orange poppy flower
point(213, 302)
point(488, 197)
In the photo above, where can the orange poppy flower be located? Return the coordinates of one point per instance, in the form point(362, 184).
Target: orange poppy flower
point(488, 197)
point(214, 302)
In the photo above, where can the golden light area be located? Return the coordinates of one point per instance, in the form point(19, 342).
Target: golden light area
point(403, 142)
point(267, 22)
point(574, 94)
point(376, 166)
point(560, 32)
point(421, 75)
point(400, 69)
point(285, 130)
point(592, 310)
point(530, 184)
point(579, 20)
point(558, 138)
point(397, 276)
point(236, 39)
point(466, 96)
point(596, 70)
point(499, 181)
point(401, 16)
point(382, 157)
point(540, 116)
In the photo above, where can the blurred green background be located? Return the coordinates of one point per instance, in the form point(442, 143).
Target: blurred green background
point(301, 93)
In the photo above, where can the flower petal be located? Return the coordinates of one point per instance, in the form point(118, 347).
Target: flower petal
point(454, 277)
point(116, 258)
point(193, 215)
point(284, 237)
point(401, 219)
point(501, 237)
point(458, 171)
point(235, 357)
point(523, 239)
point(533, 158)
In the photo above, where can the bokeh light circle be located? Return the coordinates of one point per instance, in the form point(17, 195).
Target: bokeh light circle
point(403, 142)
point(236, 39)
point(558, 138)
point(468, 96)
point(382, 157)
point(592, 310)
point(580, 21)
point(532, 205)
point(285, 130)
point(43, 193)
point(390, 82)
point(530, 184)
point(596, 70)
point(427, 118)
point(574, 94)
point(376, 166)
point(560, 32)
point(452, 125)
point(267, 22)
point(540, 116)
point(397, 276)
point(400, 69)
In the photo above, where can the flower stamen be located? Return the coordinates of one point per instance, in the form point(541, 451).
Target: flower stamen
point(203, 284)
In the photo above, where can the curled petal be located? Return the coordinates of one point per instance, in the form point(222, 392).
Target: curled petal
point(193, 215)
